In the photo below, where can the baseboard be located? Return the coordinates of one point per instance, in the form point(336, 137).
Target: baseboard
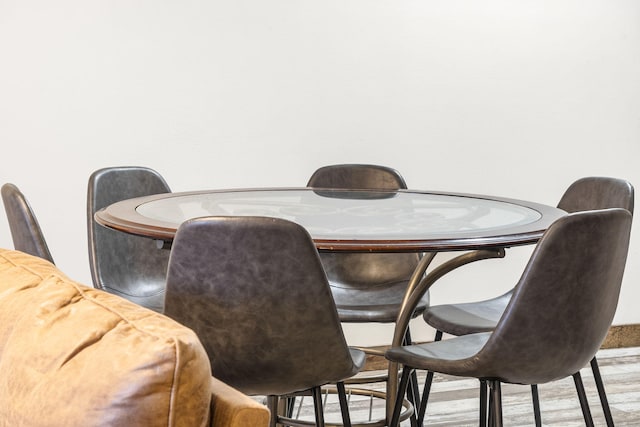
point(619, 336)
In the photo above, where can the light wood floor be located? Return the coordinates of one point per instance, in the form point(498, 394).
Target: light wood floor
point(454, 401)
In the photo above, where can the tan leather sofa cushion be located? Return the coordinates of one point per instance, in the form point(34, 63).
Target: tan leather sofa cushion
point(71, 355)
point(232, 408)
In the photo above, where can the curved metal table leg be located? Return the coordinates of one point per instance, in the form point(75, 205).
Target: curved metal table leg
point(418, 285)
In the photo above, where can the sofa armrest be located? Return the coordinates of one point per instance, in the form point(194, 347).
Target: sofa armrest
point(231, 408)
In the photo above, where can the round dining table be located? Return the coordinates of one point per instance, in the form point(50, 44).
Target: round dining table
point(339, 220)
point(349, 220)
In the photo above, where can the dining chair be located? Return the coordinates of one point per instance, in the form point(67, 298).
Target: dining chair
point(368, 287)
point(254, 291)
point(25, 230)
point(130, 266)
point(482, 316)
point(557, 318)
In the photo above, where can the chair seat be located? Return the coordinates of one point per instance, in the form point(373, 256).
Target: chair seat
point(153, 301)
point(446, 356)
point(375, 304)
point(359, 358)
point(467, 318)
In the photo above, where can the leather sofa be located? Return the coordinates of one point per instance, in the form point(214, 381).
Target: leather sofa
point(72, 355)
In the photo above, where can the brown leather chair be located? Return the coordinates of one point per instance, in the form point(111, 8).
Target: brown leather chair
point(483, 316)
point(254, 291)
point(554, 323)
point(25, 230)
point(130, 266)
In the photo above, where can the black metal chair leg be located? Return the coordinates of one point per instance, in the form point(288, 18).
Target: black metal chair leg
point(483, 404)
point(601, 392)
point(344, 406)
point(425, 397)
point(582, 396)
point(536, 405)
point(496, 403)
point(427, 388)
point(413, 392)
point(490, 413)
point(413, 397)
point(290, 405)
point(317, 405)
point(404, 380)
point(272, 404)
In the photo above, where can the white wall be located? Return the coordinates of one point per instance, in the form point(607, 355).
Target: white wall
point(515, 99)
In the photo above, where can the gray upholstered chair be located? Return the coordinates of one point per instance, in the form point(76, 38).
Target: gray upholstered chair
point(25, 231)
point(554, 323)
point(368, 287)
point(130, 266)
point(482, 316)
point(254, 291)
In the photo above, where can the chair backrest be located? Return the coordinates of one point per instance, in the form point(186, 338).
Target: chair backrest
point(357, 176)
point(363, 270)
point(254, 291)
point(127, 265)
point(25, 231)
point(565, 301)
point(596, 192)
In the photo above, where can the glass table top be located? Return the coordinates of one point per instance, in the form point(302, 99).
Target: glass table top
point(343, 219)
